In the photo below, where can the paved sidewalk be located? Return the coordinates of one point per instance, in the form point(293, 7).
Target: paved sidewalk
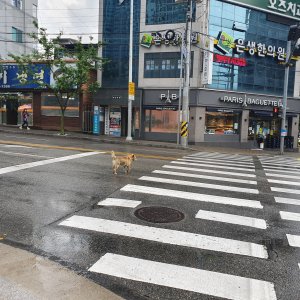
point(137, 142)
point(26, 276)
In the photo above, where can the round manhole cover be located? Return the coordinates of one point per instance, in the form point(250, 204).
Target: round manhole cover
point(159, 214)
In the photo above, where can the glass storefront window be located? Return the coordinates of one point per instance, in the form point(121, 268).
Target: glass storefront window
point(222, 123)
point(50, 106)
point(164, 121)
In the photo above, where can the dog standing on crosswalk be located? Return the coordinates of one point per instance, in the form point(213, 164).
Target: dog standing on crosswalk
point(124, 161)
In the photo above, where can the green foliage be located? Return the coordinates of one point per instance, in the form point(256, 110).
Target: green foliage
point(71, 66)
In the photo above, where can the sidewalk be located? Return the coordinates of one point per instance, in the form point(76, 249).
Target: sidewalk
point(137, 142)
point(26, 276)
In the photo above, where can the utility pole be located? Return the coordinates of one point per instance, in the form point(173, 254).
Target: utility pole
point(186, 83)
point(131, 87)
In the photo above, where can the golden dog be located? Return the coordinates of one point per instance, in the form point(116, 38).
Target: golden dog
point(124, 161)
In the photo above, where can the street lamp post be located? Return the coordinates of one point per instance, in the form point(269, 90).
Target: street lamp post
point(293, 36)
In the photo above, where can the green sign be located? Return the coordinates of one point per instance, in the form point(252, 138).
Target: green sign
point(286, 8)
point(225, 42)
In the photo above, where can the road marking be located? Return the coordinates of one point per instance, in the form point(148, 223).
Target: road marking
point(223, 179)
point(286, 215)
point(15, 146)
point(282, 175)
point(209, 171)
point(283, 190)
point(44, 162)
point(119, 202)
point(222, 163)
point(275, 168)
point(284, 182)
point(191, 196)
point(212, 166)
point(24, 154)
point(282, 164)
point(219, 160)
point(232, 219)
point(287, 201)
point(225, 156)
point(294, 240)
point(184, 278)
point(167, 236)
point(200, 185)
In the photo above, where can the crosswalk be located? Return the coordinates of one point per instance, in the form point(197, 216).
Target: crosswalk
point(220, 189)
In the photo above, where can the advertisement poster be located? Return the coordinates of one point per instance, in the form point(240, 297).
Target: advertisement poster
point(115, 121)
point(106, 121)
point(96, 124)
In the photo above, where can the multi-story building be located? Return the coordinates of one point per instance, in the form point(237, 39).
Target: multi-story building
point(17, 18)
point(237, 70)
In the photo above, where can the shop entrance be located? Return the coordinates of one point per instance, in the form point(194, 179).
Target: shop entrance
point(12, 112)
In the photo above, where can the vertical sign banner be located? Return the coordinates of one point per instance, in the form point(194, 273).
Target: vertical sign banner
point(106, 121)
point(131, 90)
point(115, 121)
point(96, 124)
point(208, 58)
point(286, 8)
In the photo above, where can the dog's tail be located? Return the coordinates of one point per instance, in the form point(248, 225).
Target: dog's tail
point(113, 155)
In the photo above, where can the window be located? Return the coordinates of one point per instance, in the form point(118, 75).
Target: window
point(164, 65)
point(164, 121)
point(17, 3)
point(51, 108)
point(17, 35)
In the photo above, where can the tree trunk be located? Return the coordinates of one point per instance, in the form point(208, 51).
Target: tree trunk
point(62, 122)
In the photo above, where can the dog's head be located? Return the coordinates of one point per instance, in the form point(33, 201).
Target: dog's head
point(132, 157)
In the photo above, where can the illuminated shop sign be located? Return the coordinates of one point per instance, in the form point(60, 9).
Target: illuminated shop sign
point(168, 98)
point(250, 100)
point(225, 44)
point(235, 61)
point(286, 8)
point(168, 38)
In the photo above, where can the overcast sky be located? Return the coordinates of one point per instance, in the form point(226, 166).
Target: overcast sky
point(73, 17)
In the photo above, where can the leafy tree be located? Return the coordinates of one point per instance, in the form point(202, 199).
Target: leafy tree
point(71, 67)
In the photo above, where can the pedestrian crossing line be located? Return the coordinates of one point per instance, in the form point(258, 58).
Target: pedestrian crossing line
point(209, 171)
point(215, 162)
point(223, 179)
point(294, 240)
point(231, 219)
point(184, 278)
point(281, 168)
point(219, 160)
point(282, 175)
point(224, 156)
point(284, 182)
point(290, 216)
point(119, 202)
point(192, 196)
point(282, 164)
point(281, 171)
point(211, 166)
point(287, 201)
point(283, 190)
point(167, 236)
point(200, 185)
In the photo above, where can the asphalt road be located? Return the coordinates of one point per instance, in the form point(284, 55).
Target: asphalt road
point(238, 237)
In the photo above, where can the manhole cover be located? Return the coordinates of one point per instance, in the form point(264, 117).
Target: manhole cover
point(159, 214)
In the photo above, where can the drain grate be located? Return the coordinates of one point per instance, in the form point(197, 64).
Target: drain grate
point(159, 214)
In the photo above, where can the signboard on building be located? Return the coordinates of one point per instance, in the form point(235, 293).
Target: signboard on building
point(12, 76)
point(115, 121)
point(208, 55)
point(96, 121)
point(286, 8)
point(228, 60)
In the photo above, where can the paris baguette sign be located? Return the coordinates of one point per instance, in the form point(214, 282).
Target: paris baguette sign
point(286, 8)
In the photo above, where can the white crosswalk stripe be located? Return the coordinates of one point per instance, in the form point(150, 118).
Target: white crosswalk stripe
point(185, 278)
point(244, 163)
point(287, 201)
point(294, 240)
point(284, 190)
point(119, 202)
point(174, 237)
point(284, 182)
point(286, 215)
point(215, 162)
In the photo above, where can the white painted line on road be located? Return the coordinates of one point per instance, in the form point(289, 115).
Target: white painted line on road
point(283, 190)
point(45, 162)
point(294, 240)
point(184, 278)
point(290, 216)
point(212, 166)
point(209, 171)
point(15, 146)
point(219, 160)
point(275, 168)
point(284, 182)
point(191, 196)
point(167, 236)
point(282, 164)
point(200, 185)
point(287, 201)
point(232, 219)
point(282, 175)
point(224, 156)
point(223, 179)
point(119, 202)
point(24, 154)
point(221, 163)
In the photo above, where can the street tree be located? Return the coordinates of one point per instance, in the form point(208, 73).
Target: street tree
point(70, 66)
